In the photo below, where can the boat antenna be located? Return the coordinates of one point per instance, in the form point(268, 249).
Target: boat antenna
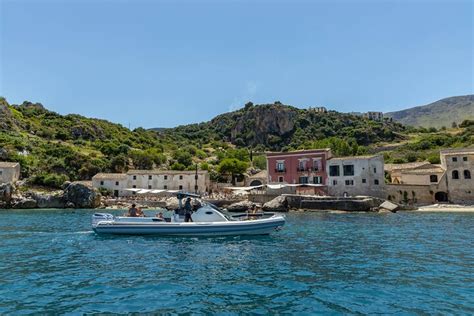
point(196, 180)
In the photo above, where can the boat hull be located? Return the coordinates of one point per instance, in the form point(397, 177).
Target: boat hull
point(231, 228)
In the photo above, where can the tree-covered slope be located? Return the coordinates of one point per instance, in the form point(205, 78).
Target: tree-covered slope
point(53, 148)
point(437, 114)
point(283, 127)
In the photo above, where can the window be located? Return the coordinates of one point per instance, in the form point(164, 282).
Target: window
point(1, 172)
point(455, 174)
point(150, 177)
point(464, 158)
point(180, 187)
point(334, 182)
point(280, 179)
point(375, 170)
point(433, 178)
point(166, 177)
point(134, 177)
point(349, 182)
point(376, 182)
point(334, 171)
point(317, 180)
point(149, 186)
point(467, 174)
point(302, 165)
point(455, 159)
point(364, 180)
point(116, 183)
point(316, 165)
point(348, 170)
point(134, 186)
point(280, 166)
point(165, 187)
point(180, 177)
point(303, 180)
point(101, 182)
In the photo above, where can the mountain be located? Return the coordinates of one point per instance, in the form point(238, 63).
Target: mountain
point(437, 114)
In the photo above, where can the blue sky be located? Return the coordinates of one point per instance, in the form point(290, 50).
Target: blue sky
point(164, 63)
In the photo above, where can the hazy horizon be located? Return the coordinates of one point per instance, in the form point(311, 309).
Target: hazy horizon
point(164, 64)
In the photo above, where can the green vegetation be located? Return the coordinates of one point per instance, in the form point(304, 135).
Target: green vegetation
point(54, 148)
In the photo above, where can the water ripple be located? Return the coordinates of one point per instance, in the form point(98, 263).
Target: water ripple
point(407, 263)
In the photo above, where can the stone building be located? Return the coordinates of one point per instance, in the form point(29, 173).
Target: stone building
point(359, 175)
point(119, 183)
point(425, 183)
point(375, 116)
point(9, 172)
point(459, 166)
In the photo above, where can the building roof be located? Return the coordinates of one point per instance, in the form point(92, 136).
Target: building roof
point(157, 172)
point(262, 174)
point(405, 166)
point(354, 157)
point(110, 176)
point(299, 152)
point(457, 151)
point(424, 171)
point(5, 164)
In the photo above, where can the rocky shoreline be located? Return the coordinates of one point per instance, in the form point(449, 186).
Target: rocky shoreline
point(73, 195)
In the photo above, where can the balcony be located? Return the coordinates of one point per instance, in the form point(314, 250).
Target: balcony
point(280, 170)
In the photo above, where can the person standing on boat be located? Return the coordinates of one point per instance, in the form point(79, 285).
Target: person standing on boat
point(188, 210)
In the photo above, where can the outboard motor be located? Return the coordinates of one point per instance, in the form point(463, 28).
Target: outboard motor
point(100, 217)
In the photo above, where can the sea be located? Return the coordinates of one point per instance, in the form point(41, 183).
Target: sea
point(407, 263)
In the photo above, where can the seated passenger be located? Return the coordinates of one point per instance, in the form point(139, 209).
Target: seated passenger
point(160, 215)
point(133, 211)
point(140, 212)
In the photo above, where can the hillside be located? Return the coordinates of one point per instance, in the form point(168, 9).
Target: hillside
point(54, 148)
point(283, 127)
point(437, 114)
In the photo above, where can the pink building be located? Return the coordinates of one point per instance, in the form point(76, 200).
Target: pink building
point(306, 166)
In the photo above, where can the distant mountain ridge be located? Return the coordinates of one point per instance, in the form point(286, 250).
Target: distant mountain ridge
point(437, 114)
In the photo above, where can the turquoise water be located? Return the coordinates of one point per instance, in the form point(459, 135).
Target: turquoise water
point(404, 263)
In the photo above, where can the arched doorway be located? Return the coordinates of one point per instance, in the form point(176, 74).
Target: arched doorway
point(441, 197)
point(255, 183)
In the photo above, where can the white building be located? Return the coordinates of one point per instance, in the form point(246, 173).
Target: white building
point(360, 175)
point(9, 172)
point(375, 116)
point(118, 183)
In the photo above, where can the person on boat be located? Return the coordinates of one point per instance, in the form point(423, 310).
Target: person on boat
point(188, 210)
point(140, 212)
point(133, 211)
point(160, 215)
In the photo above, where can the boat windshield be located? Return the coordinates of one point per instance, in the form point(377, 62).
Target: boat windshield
point(226, 214)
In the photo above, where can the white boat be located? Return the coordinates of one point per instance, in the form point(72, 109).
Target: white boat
point(207, 220)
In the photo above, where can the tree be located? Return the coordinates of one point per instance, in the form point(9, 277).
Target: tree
point(232, 167)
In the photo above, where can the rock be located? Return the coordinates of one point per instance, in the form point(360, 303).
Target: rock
point(70, 205)
point(171, 203)
point(6, 191)
point(388, 206)
point(65, 184)
point(49, 200)
point(25, 203)
point(278, 204)
point(81, 196)
point(241, 206)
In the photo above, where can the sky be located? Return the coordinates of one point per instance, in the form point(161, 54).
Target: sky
point(165, 63)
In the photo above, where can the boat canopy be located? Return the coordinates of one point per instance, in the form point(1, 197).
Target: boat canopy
point(274, 186)
point(154, 191)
